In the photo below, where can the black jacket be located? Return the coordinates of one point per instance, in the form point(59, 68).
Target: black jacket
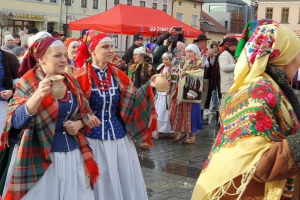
point(157, 56)
point(11, 67)
point(128, 55)
point(176, 38)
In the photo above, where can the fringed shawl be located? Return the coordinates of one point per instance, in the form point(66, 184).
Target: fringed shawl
point(190, 72)
point(33, 158)
point(254, 117)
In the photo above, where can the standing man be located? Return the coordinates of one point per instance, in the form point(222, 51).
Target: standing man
point(212, 90)
point(137, 42)
point(227, 66)
point(201, 42)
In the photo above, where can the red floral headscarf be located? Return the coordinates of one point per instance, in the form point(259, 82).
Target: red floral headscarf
point(90, 40)
point(34, 53)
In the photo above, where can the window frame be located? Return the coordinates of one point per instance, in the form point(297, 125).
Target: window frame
point(154, 3)
point(285, 13)
point(192, 20)
point(97, 4)
point(143, 2)
point(269, 13)
point(299, 16)
point(81, 4)
point(221, 6)
point(165, 6)
point(181, 15)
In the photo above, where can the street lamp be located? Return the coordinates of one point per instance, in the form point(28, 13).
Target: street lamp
point(67, 3)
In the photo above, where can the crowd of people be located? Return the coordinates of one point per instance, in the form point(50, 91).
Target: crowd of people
point(83, 143)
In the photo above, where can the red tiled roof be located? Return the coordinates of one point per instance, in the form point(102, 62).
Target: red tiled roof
point(215, 28)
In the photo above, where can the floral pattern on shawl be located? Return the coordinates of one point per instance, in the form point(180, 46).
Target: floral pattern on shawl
point(247, 119)
point(131, 71)
point(261, 44)
point(254, 120)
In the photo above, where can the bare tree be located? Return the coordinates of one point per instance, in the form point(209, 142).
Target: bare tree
point(254, 5)
point(3, 23)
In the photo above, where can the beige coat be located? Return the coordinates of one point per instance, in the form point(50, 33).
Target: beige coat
point(227, 65)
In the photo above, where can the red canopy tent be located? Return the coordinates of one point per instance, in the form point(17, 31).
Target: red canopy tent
point(128, 20)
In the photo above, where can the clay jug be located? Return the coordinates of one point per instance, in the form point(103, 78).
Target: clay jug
point(69, 69)
point(58, 88)
point(161, 83)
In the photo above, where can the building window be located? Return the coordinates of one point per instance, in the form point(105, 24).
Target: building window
point(226, 24)
point(269, 13)
point(194, 20)
point(142, 3)
point(83, 3)
point(52, 1)
point(129, 2)
point(179, 16)
point(154, 5)
point(195, 5)
point(116, 2)
point(180, 3)
point(165, 8)
point(95, 4)
point(216, 8)
point(299, 16)
point(285, 15)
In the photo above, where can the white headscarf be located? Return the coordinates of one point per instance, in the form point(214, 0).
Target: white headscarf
point(139, 50)
point(194, 48)
point(8, 37)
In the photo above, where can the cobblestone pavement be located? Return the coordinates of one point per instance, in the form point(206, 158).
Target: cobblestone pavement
point(171, 169)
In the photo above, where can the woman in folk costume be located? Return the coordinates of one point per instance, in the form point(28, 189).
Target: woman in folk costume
point(113, 99)
point(163, 99)
point(24, 67)
point(9, 67)
point(185, 111)
point(141, 71)
point(51, 146)
point(72, 45)
point(179, 52)
point(258, 141)
point(119, 63)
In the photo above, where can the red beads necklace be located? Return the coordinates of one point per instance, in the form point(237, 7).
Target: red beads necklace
point(102, 85)
point(67, 95)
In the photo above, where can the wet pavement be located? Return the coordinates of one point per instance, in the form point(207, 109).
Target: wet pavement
point(171, 169)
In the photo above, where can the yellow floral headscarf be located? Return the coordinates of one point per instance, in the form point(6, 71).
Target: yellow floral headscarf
point(254, 108)
point(274, 44)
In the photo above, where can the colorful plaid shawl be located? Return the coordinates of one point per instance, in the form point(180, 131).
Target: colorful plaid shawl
point(33, 157)
point(135, 117)
point(143, 122)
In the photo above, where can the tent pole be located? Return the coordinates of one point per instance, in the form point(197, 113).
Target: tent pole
point(121, 46)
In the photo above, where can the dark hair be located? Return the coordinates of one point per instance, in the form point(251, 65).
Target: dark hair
point(282, 80)
point(16, 36)
point(147, 59)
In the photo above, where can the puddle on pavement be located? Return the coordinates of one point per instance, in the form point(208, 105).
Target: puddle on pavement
point(172, 168)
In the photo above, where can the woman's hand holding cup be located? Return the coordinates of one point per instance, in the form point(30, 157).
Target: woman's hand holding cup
point(44, 87)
